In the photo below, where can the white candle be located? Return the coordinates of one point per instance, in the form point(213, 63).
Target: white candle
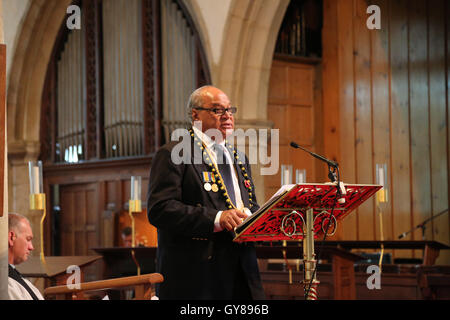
point(36, 180)
point(381, 176)
point(136, 188)
point(300, 176)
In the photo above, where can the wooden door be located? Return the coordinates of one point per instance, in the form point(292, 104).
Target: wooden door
point(80, 224)
point(80, 228)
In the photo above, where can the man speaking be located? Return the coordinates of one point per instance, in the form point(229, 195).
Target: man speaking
point(196, 206)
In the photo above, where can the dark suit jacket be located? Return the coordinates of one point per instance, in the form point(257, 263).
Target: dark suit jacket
point(196, 262)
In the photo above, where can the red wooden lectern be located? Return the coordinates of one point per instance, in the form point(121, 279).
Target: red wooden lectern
point(303, 211)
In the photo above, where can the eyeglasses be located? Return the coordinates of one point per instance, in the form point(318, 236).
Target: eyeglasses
point(219, 111)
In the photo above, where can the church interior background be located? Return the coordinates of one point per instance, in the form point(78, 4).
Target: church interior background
point(95, 102)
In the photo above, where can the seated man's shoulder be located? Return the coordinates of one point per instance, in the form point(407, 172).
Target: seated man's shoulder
point(17, 292)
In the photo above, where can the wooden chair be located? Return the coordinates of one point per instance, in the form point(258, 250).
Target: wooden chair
point(142, 287)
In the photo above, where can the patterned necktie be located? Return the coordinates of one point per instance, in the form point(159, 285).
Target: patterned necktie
point(225, 171)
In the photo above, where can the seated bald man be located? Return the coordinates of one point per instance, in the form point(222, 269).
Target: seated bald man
point(20, 245)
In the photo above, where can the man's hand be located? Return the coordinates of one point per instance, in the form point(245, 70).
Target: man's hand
point(230, 219)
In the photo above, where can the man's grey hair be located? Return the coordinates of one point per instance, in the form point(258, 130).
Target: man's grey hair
point(14, 220)
point(196, 100)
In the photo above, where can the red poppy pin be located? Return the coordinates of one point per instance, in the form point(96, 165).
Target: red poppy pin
point(247, 184)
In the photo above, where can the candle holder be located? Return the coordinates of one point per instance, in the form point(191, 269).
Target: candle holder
point(134, 205)
point(381, 198)
point(37, 197)
point(382, 178)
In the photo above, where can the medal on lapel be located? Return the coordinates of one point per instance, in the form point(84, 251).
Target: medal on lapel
point(207, 178)
point(214, 186)
point(215, 177)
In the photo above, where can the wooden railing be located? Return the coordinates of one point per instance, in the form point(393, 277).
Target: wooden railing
point(142, 287)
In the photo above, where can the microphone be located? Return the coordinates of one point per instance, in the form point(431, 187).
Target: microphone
point(329, 162)
point(402, 235)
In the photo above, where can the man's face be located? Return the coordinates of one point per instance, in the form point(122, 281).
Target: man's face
point(214, 98)
point(21, 242)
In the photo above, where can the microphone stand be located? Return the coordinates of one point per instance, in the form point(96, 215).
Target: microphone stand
point(332, 165)
point(422, 226)
point(308, 253)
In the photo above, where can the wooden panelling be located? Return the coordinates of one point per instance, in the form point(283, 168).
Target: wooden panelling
point(399, 108)
point(80, 222)
point(346, 102)
point(363, 115)
point(331, 82)
point(380, 112)
point(292, 108)
point(438, 108)
point(389, 88)
point(301, 80)
point(300, 127)
point(419, 116)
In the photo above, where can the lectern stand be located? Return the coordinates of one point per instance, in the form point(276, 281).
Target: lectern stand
point(304, 211)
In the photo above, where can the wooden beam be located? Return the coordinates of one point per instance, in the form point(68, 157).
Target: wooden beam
point(152, 75)
point(94, 83)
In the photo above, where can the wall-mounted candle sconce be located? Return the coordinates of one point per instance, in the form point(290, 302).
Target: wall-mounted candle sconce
point(37, 196)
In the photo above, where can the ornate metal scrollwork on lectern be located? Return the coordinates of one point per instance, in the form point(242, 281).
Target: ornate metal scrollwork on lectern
point(324, 223)
point(289, 225)
point(296, 221)
point(317, 213)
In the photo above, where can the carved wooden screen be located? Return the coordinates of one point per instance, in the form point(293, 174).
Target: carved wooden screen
point(107, 84)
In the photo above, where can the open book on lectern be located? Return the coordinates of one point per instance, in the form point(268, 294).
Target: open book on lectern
point(282, 217)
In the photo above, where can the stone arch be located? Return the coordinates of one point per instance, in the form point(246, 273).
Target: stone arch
point(32, 54)
point(34, 46)
point(248, 45)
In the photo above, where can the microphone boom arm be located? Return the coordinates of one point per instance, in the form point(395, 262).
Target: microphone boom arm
point(422, 225)
point(315, 155)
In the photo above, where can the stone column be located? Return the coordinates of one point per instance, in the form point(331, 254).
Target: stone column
point(19, 153)
point(4, 218)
